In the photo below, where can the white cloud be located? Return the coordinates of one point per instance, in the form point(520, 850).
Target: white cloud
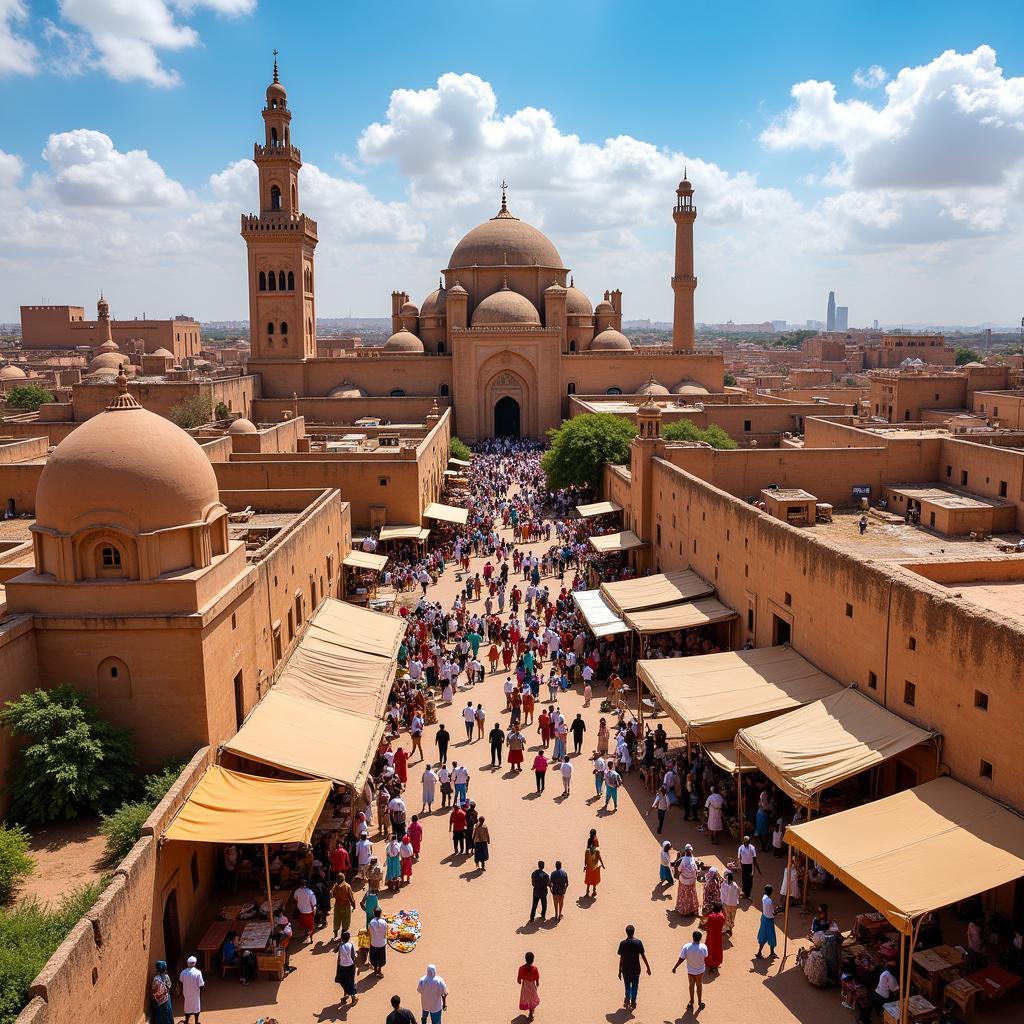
point(17, 53)
point(870, 78)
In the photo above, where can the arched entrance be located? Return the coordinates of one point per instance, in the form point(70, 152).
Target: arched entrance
point(506, 417)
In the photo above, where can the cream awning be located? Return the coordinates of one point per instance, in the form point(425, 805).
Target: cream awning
point(231, 807)
point(601, 620)
point(365, 560)
point(446, 513)
point(714, 695)
point(459, 462)
point(350, 628)
point(403, 533)
point(452, 472)
point(653, 591)
point(723, 756)
point(685, 615)
point(821, 744)
point(598, 508)
point(607, 543)
point(919, 850)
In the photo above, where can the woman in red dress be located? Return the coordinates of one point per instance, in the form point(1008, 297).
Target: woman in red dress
point(714, 924)
point(529, 982)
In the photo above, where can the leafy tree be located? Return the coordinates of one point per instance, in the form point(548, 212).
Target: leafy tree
point(71, 759)
point(730, 379)
point(458, 449)
point(123, 828)
point(28, 397)
point(221, 411)
point(686, 430)
point(581, 446)
point(193, 412)
point(157, 785)
point(15, 863)
point(967, 355)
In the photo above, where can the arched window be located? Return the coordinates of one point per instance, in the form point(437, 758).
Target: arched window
point(280, 280)
point(572, 346)
point(273, 104)
point(396, 393)
point(113, 679)
point(284, 326)
point(444, 390)
point(270, 327)
point(107, 562)
point(111, 557)
point(291, 281)
point(571, 388)
point(441, 348)
point(275, 197)
point(272, 281)
point(295, 201)
point(263, 281)
point(273, 136)
point(614, 391)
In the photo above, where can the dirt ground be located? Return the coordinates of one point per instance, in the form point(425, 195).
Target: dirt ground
point(67, 855)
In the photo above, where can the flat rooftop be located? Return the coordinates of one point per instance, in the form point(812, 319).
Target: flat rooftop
point(948, 497)
point(16, 529)
point(788, 494)
point(257, 529)
point(1006, 597)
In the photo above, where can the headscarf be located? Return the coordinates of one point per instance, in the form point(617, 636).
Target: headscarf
point(430, 981)
point(161, 966)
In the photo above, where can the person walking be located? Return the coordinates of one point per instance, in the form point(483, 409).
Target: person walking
point(631, 953)
point(559, 887)
point(397, 812)
point(378, 929)
point(686, 898)
point(694, 955)
point(457, 827)
point(429, 789)
point(578, 728)
point(460, 778)
point(481, 844)
point(730, 896)
point(540, 769)
point(161, 989)
point(433, 995)
point(481, 716)
point(516, 746)
point(416, 732)
point(714, 805)
point(393, 864)
point(612, 781)
point(540, 881)
point(345, 973)
point(497, 738)
point(747, 856)
point(592, 864)
point(712, 894)
point(399, 1014)
point(766, 932)
point(714, 925)
point(665, 868)
point(599, 769)
point(565, 770)
point(442, 738)
point(305, 904)
point(661, 805)
point(192, 981)
point(529, 983)
point(469, 718)
point(344, 903)
point(415, 833)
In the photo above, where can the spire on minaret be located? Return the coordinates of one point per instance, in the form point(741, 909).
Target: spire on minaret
point(276, 79)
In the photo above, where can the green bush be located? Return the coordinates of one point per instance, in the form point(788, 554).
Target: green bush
point(221, 411)
point(581, 446)
point(71, 760)
point(123, 828)
point(459, 449)
point(686, 430)
point(193, 412)
point(29, 934)
point(28, 397)
point(729, 380)
point(15, 863)
point(157, 785)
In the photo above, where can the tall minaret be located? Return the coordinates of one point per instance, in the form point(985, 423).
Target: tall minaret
point(684, 338)
point(280, 241)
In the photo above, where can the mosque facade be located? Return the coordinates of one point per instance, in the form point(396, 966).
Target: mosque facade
point(506, 338)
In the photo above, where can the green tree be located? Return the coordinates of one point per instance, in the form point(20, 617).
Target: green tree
point(28, 397)
point(581, 446)
point(123, 828)
point(71, 760)
point(686, 430)
point(193, 412)
point(730, 379)
point(967, 355)
point(221, 411)
point(459, 449)
point(15, 863)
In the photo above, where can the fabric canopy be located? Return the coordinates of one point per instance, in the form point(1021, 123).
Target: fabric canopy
point(347, 626)
point(599, 508)
point(459, 462)
point(919, 850)
point(447, 513)
point(229, 807)
point(723, 756)
point(814, 747)
point(403, 533)
point(685, 615)
point(309, 737)
point(714, 695)
point(601, 620)
point(609, 542)
point(365, 560)
point(652, 591)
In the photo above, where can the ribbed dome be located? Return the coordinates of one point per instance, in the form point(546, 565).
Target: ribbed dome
point(108, 362)
point(604, 306)
point(576, 303)
point(12, 373)
point(652, 387)
point(403, 341)
point(409, 309)
point(505, 307)
point(611, 340)
point(108, 346)
point(126, 467)
point(346, 389)
point(243, 426)
point(434, 303)
point(505, 239)
point(690, 387)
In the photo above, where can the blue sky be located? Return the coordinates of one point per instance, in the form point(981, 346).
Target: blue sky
point(798, 194)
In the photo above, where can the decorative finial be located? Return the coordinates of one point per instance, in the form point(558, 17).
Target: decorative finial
point(276, 81)
point(122, 379)
point(504, 189)
point(685, 175)
point(572, 281)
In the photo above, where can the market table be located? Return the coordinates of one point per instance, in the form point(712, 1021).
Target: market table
point(993, 981)
point(255, 936)
point(927, 968)
point(918, 1010)
point(213, 938)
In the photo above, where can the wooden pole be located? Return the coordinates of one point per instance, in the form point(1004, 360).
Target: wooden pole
point(739, 795)
point(807, 861)
point(904, 981)
point(270, 892)
point(789, 899)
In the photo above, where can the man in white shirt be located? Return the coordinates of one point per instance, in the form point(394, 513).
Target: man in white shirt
point(460, 778)
point(305, 904)
point(469, 717)
point(588, 673)
point(694, 955)
point(364, 851)
point(378, 929)
point(747, 855)
point(433, 995)
point(565, 768)
point(730, 897)
point(191, 982)
point(887, 989)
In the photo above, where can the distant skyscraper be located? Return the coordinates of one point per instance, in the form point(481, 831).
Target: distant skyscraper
point(830, 318)
point(842, 317)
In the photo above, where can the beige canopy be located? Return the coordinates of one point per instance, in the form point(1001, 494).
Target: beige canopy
point(919, 850)
point(230, 807)
point(365, 560)
point(684, 615)
point(611, 542)
point(713, 695)
point(446, 513)
point(458, 462)
point(598, 508)
point(403, 533)
point(653, 591)
point(351, 628)
point(601, 620)
point(723, 756)
point(817, 746)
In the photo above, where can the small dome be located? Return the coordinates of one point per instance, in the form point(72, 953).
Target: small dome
point(242, 426)
point(346, 389)
point(611, 340)
point(403, 341)
point(12, 373)
point(163, 352)
point(604, 306)
point(690, 387)
point(457, 289)
point(409, 309)
point(127, 467)
point(650, 408)
point(108, 346)
point(555, 288)
point(276, 91)
point(505, 307)
point(576, 303)
point(434, 303)
point(108, 362)
point(652, 387)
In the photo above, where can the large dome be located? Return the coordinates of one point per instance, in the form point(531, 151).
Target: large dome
point(346, 389)
point(610, 340)
point(434, 303)
point(576, 303)
point(109, 362)
point(12, 373)
point(403, 341)
point(505, 239)
point(505, 307)
point(126, 467)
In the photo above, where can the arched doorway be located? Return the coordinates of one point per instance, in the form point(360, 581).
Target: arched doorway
point(506, 417)
point(172, 932)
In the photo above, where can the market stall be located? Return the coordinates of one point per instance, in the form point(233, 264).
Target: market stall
point(446, 513)
point(362, 574)
point(610, 543)
point(598, 508)
point(916, 852)
point(414, 533)
point(685, 615)
point(601, 620)
point(654, 591)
